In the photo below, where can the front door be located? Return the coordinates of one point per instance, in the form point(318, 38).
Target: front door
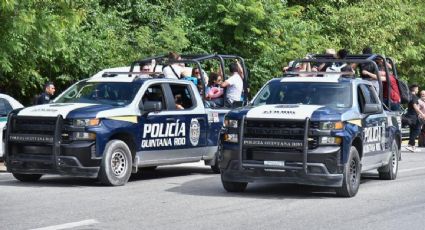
point(374, 129)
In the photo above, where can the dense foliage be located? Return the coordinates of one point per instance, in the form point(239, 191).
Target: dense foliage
point(64, 41)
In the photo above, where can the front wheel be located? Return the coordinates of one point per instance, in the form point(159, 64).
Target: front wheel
point(351, 175)
point(231, 186)
point(116, 164)
point(27, 177)
point(389, 171)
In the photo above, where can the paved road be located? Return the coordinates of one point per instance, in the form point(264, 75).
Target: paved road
point(191, 197)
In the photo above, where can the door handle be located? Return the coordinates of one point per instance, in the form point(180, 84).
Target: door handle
point(170, 119)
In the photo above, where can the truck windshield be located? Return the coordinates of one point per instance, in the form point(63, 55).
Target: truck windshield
point(337, 95)
point(110, 93)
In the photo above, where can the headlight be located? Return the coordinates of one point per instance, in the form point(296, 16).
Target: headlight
point(83, 136)
point(86, 122)
point(330, 140)
point(231, 138)
point(330, 125)
point(230, 123)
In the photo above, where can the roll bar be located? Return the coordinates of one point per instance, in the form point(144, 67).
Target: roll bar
point(358, 59)
point(196, 59)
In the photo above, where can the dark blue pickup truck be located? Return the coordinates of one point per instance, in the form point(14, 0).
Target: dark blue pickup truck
point(114, 123)
point(308, 129)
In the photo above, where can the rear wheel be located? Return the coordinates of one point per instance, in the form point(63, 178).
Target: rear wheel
point(231, 186)
point(351, 175)
point(27, 177)
point(116, 164)
point(389, 171)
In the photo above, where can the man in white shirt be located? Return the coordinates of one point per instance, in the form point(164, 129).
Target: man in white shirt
point(234, 84)
point(173, 70)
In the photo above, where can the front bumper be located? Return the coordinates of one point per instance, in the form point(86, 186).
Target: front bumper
point(75, 159)
point(322, 168)
point(35, 145)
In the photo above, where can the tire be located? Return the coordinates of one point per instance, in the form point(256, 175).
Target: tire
point(351, 175)
point(389, 171)
point(27, 177)
point(231, 186)
point(215, 168)
point(115, 168)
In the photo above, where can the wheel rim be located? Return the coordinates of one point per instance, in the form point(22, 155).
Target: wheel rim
point(118, 163)
point(394, 160)
point(354, 177)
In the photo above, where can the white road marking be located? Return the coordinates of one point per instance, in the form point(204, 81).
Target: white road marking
point(70, 225)
point(412, 169)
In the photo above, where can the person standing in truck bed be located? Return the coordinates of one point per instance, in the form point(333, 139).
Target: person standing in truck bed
point(234, 84)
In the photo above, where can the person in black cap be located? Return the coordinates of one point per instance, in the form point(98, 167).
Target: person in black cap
point(45, 97)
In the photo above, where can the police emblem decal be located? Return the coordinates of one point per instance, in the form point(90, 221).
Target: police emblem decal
point(195, 132)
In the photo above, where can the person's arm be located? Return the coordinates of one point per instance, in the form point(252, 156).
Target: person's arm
point(40, 99)
point(240, 69)
point(225, 84)
point(371, 75)
point(321, 66)
point(418, 111)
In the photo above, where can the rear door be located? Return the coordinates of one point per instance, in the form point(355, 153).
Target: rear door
point(193, 114)
point(172, 135)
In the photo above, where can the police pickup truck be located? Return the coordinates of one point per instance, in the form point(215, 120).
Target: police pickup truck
point(311, 130)
point(112, 124)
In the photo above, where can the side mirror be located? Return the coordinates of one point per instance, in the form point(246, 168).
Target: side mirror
point(372, 108)
point(152, 106)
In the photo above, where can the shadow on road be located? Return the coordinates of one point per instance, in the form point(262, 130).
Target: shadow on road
point(211, 186)
point(142, 175)
point(52, 181)
point(169, 171)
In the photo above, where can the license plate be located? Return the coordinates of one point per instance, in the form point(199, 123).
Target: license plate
point(274, 163)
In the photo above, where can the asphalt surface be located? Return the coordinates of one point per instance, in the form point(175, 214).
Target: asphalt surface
point(190, 196)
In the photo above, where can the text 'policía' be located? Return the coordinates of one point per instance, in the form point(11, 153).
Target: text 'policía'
point(164, 134)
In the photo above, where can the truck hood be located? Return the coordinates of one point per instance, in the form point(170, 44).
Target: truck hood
point(63, 109)
point(290, 112)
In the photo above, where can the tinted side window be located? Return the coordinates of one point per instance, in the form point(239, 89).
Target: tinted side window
point(369, 93)
point(5, 107)
point(183, 96)
point(154, 93)
point(361, 98)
